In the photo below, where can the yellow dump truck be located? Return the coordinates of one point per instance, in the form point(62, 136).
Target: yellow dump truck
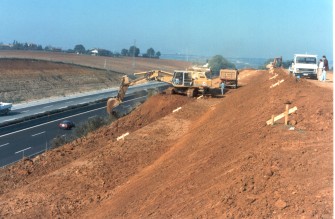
point(229, 77)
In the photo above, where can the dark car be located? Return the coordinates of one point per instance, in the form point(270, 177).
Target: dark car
point(66, 124)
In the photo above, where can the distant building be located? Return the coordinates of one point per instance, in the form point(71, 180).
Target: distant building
point(94, 52)
point(6, 46)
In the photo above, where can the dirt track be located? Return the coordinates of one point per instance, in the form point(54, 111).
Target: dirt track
point(215, 158)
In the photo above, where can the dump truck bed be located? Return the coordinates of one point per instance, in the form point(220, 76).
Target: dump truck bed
point(229, 77)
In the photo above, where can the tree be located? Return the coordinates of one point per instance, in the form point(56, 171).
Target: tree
point(134, 51)
point(105, 52)
point(124, 52)
point(79, 49)
point(151, 53)
point(217, 62)
point(287, 63)
point(158, 54)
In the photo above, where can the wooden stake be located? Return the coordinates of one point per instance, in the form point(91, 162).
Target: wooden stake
point(286, 114)
point(282, 115)
point(273, 120)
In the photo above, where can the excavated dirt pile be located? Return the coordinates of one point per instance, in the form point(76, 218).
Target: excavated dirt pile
point(215, 158)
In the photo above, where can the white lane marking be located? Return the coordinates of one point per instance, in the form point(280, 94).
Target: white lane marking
point(91, 117)
point(69, 101)
point(47, 106)
point(4, 145)
point(37, 134)
point(25, 111)
point(40, 112)
point(8, 120)
point(22, 150)
point(62, 119)
point(63, 107)
point(51, 122)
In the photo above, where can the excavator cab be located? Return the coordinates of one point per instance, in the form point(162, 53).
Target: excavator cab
point(182, 79)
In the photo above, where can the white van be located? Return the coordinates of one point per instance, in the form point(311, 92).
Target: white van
point(304, 65)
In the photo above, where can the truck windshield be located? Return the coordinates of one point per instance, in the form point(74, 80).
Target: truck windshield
point(306, 60)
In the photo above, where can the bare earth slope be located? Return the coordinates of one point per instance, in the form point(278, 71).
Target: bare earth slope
point(127, 65)
point(214, 158)
point(28, 79)
point(27, 75)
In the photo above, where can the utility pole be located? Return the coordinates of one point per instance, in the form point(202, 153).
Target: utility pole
point(134, 62)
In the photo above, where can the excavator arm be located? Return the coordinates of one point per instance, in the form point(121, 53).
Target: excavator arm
point(156, 75)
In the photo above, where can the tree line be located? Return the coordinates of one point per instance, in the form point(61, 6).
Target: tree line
point(133, 51)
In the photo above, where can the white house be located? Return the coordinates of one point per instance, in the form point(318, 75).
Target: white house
point(94, 52)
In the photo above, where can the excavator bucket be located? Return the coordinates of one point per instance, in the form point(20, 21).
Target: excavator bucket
point(111, 104)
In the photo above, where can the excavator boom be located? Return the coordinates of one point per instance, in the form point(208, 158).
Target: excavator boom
point(156, 75)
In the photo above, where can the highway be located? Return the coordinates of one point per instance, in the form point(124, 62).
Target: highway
point(34, 136)
point(25, 110)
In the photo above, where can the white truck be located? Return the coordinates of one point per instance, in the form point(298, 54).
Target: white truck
point(304, 65)
point(5, 108)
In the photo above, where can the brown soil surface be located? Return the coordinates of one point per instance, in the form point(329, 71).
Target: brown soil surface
point(24, 80)
point(33, 76)
point(126, 65)
point(329, 83)
point(215, 158)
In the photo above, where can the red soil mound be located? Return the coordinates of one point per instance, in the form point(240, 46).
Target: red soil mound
point(214, 158)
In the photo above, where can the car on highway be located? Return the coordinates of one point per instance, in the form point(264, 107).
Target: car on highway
point(67, 125)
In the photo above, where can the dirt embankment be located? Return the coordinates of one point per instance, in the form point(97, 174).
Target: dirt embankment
point(35, 75)
point(126, 65)
point(214, 158)
point(24, 79)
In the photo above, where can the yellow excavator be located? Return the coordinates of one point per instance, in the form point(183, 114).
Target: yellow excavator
point(154, 75)
point(190, 82)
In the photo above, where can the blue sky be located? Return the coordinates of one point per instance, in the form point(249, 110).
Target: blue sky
point(232, 28)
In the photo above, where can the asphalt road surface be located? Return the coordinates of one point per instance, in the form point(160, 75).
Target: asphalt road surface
point(32, 137)
point(29, 109)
